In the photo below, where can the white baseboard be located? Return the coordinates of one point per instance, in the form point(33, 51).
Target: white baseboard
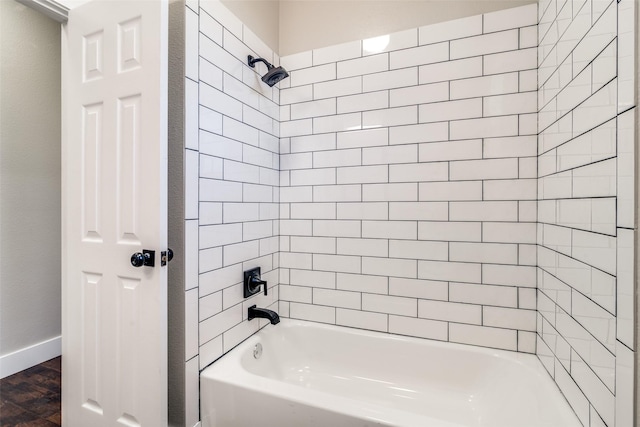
point(30, 356)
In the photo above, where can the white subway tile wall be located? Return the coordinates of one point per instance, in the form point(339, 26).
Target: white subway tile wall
point(403, 178)
point(470, 181)
point(231, 184)
point(586, 220)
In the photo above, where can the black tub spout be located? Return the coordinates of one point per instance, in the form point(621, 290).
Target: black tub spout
point(263, 313)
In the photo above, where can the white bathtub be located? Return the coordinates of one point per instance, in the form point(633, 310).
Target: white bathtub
point(327, 376)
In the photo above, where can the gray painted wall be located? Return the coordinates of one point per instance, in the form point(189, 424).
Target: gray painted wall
point(292, 26)
point(29, 177)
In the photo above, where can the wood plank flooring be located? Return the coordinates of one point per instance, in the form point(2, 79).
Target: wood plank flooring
point(31, 398)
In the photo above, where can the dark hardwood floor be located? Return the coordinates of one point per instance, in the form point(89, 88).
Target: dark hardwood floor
point(31, 398)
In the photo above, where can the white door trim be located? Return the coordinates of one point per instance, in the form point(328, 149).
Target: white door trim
point(54, 10)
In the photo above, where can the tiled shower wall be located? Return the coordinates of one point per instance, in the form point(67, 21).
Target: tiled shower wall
point(408, 182)
point(231, 185)
point(406, 190)
point(586, 204)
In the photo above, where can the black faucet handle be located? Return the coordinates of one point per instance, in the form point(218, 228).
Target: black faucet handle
point(264, 283)
point(256, 282)
point(252, 282)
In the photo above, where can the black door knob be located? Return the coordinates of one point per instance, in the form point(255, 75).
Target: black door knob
point(146, 258)
point(137, 259)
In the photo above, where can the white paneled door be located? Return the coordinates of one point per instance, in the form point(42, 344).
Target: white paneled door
point(114, 162)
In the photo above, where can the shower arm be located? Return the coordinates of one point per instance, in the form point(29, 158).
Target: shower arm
point(252, 62)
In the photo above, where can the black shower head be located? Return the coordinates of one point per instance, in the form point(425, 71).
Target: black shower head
point(274, 74)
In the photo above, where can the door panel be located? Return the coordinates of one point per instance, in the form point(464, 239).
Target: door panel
point(114, 204)
point(129, 179)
